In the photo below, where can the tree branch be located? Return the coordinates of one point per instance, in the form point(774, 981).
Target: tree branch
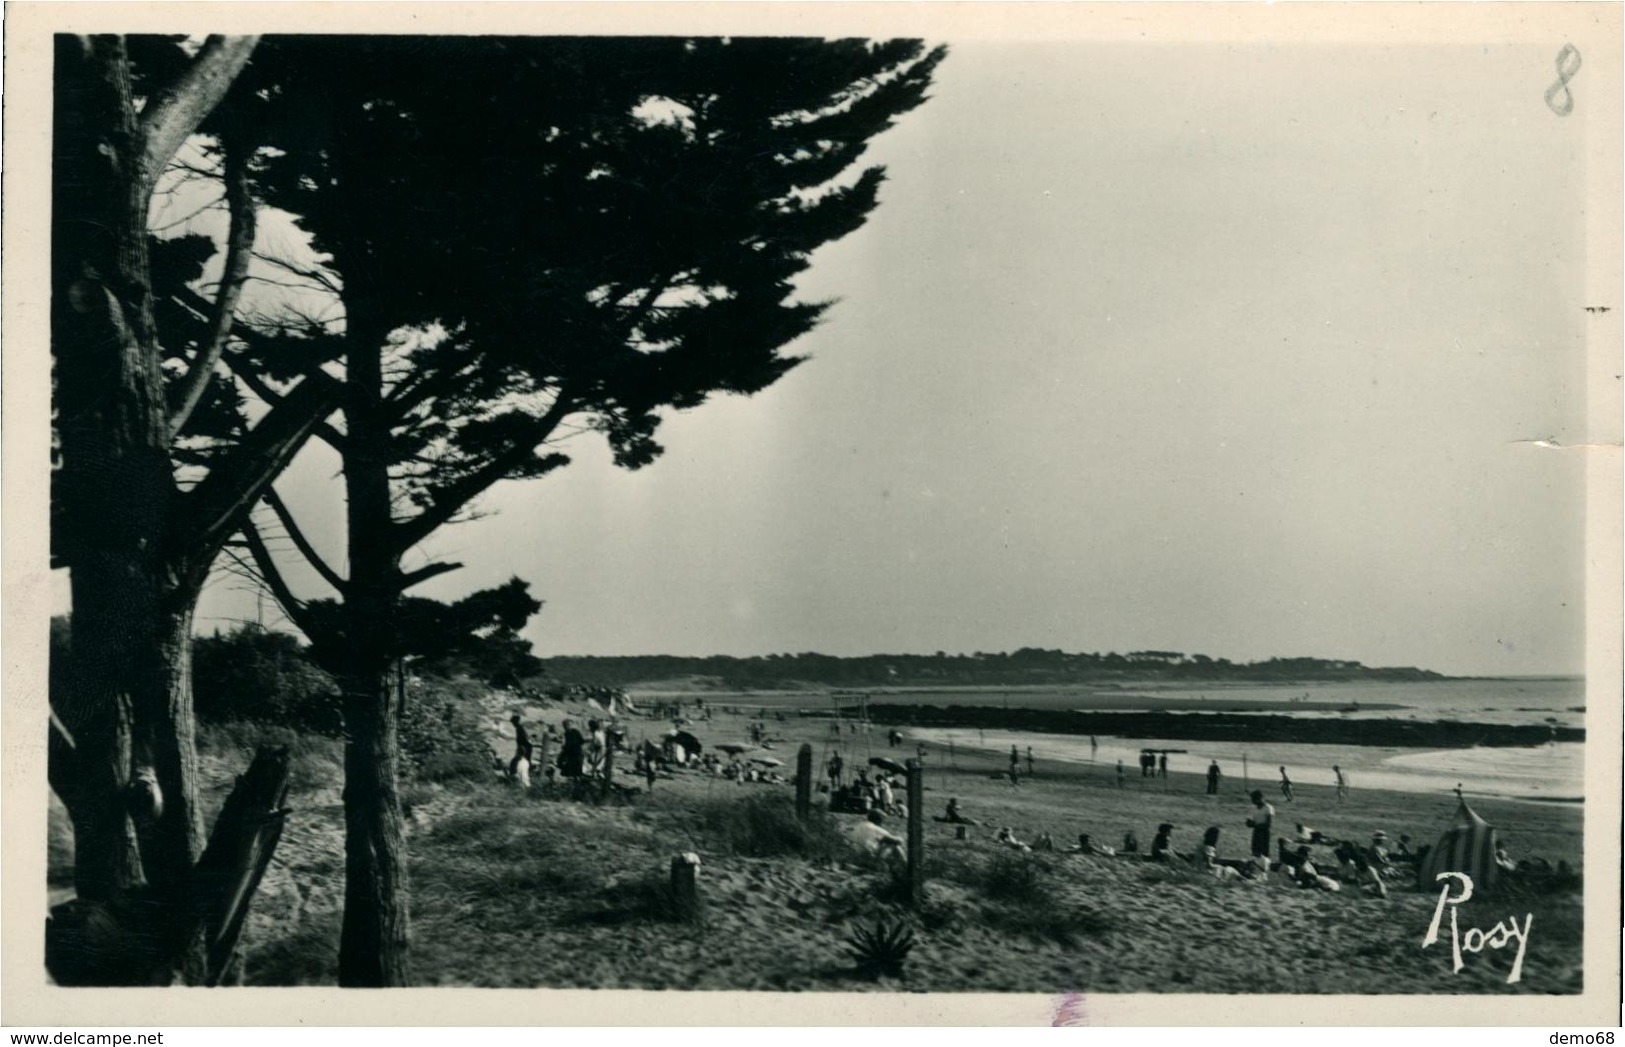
point(423, 574)
point(458, 494)
point(313, 276)
point(217, 505)
point(308, 551)
point(271, 575)
point(176, 111)
point(62, 765)
point(323, 429)
point(239, 249)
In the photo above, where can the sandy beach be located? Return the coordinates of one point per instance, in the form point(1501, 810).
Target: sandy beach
point(539, 890)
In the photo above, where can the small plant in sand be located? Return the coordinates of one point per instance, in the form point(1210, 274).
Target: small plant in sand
point(881, 950)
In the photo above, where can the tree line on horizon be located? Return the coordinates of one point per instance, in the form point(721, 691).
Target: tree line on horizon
point(1028, 665)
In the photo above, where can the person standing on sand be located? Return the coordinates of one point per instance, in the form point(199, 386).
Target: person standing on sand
point(1260, 824)
point(1286, 786)
point(1094, 746)
point(570, 753)
point(1213, 775)
point(1342, 783)
point(1162, 766)
point(519, 766)
point(598, 745)
point(833, 769)
point(1015, 767)
point(1120, 774)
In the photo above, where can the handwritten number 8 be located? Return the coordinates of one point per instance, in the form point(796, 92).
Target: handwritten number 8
point(1558, 96)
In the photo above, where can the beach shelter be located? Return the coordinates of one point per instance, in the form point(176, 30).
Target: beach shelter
point(1468, 846)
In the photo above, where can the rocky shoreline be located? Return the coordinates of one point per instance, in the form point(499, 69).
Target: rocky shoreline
point(1435, 734)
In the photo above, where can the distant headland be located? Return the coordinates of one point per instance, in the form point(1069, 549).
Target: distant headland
point(1027, 666)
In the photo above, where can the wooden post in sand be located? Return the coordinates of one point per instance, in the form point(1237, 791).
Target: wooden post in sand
point(685, 884)
point(804, 774)
point(916, 832)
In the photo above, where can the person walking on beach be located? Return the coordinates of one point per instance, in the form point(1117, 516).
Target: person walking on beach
point(1213, 775)
point(1260, 823)
point(1286, 786)
point(1094, 747)
point(1015, 767)
point(1342, 783)
point(1162, 766)
point(1120, 774)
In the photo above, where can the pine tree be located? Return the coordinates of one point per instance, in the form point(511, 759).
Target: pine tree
point(530, 236)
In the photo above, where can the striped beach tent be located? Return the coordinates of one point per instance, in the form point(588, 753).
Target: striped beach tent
point(1468, 846)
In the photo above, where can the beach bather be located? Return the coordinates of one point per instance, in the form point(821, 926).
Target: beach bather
point(1260, 822)
point(1305, 874)
point(1162, 849)
point(1209, 858)
point(1008, 837)
point(876, 840)
point(1377, 855)
point(1213, 776)
point(1286, 786)
point(1088, 846)
point(1357, 870)
point(571, 753)
point(523, 752)
point(953, 817)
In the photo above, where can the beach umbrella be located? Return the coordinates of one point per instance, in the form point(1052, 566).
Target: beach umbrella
point(732, 748)
point(767, 761)
point(689, 743)
point(887, 764)
point(1468, 846)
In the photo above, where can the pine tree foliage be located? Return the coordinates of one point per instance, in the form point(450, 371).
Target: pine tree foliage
point(566, 233)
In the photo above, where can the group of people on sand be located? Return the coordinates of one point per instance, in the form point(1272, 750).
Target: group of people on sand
point(882, 792)
point(1367, 867)
point(580, 755)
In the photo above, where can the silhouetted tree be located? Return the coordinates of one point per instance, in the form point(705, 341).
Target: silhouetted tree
point(157, 468)
point(531, 237)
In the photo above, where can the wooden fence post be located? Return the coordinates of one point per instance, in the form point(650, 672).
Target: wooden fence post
point(916, 832)
point(685, 886)
point(804, 775)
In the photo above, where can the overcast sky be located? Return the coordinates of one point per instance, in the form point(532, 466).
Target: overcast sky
point(1226, 350)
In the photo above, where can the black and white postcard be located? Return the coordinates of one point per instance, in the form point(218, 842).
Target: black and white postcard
point(986, 513)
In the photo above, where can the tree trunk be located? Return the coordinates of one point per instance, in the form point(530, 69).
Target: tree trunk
point(131, 768)
point(141, 937)
point(115, 484)
point(373, 948)
point(166, 735)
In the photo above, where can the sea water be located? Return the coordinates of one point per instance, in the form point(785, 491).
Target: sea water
point(1554, 771)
